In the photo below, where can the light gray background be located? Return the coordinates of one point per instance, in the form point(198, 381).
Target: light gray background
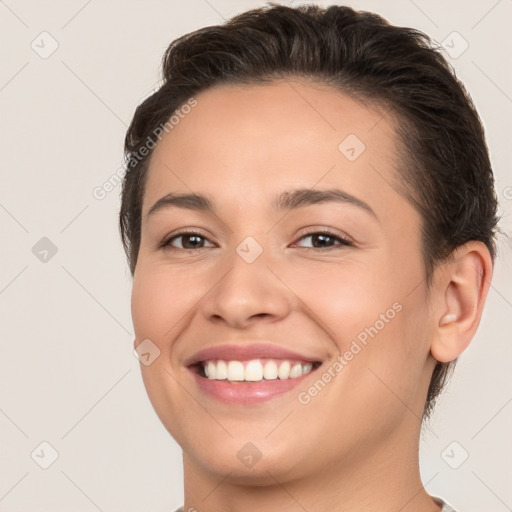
point(67, 372)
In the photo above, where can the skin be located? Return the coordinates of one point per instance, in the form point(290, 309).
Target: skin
point(354, 446)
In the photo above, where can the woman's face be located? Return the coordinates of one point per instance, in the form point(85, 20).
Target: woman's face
point(257, 278)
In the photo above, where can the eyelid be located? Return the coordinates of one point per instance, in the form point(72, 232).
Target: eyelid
point(346, 241)
point(313, 230)
point(165, 243)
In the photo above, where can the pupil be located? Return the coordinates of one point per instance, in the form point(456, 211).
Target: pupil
point(188, 238)
point(322, 239)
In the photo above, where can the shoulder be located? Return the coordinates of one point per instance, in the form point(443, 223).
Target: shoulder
point(439, 501)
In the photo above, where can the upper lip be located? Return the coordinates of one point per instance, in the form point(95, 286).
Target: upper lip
point(246, 352)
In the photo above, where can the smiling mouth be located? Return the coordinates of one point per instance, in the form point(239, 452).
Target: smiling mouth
point(254, 370)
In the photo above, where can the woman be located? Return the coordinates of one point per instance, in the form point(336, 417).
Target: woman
point(309, 216)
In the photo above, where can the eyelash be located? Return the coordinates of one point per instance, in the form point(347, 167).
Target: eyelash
point(344, 242)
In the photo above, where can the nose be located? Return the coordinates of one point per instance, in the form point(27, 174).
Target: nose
point(247, 293)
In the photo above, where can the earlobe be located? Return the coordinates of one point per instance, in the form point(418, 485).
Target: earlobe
point(464, 286)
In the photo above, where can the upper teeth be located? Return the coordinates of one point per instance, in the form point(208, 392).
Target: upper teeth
point(255, 370)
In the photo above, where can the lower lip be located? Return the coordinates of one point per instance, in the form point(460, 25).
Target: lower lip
point(247, 393)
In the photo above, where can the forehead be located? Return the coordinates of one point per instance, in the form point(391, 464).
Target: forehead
point(263, 138)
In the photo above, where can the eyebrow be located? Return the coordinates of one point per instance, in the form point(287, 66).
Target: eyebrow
point(285, 201)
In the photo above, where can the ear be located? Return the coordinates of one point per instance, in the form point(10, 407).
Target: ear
point(463, 284)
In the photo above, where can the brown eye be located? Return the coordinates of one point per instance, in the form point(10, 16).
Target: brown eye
point(189, 241)
point(327, 240)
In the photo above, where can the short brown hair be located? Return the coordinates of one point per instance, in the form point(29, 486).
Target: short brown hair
point(446, 173)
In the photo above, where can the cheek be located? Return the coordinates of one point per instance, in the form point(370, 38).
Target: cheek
point(159, 299)
point(145, 305)
point(156, 307)
point(348, 298)
point(390, 368)
point(377, 319)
